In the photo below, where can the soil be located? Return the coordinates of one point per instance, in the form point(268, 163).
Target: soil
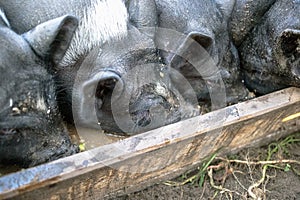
point(231, 180)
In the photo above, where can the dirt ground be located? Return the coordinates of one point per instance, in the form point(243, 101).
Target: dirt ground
point(269, 172)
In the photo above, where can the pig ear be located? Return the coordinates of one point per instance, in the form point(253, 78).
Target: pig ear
point(204, 40)
point(3, 19)
point(195, 45)
point(51, 39)
point(289, 42)
point(100, 86)
point(226, 7)
point(143, 15)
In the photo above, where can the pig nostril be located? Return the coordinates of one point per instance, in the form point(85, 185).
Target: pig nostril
point(143, 118)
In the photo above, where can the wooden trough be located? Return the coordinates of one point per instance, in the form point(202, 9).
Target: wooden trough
point(142, 160)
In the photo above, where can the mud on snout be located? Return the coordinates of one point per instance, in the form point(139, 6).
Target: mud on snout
point(142, 99)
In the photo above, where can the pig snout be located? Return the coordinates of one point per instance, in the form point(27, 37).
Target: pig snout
point(271, 61)
point(101, 101)
point(121, 104)
point(31, 128)
point(155, 102)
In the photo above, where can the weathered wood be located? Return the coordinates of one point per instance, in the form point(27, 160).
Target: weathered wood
point(137, 162)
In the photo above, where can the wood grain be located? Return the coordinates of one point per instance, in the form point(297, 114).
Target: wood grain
point(142, 160)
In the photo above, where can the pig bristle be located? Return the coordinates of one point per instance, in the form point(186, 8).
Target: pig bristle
point(3, 17)
point(40, 104)
point(104, 21)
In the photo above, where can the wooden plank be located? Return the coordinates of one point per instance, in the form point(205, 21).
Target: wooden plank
point(137, 162)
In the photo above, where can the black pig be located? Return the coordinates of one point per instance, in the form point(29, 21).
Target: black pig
point(31, 129)
point(205, 22)
point(271, 53)
point(108, 50)
point(245, 15)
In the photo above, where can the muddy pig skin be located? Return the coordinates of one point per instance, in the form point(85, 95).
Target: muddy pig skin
point(205, 22)
point(246, 14)
point(219, 27)
point(31, 129)
point(108, 50)
point(271, 53)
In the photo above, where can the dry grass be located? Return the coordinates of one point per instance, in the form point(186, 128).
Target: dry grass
point(256, 169)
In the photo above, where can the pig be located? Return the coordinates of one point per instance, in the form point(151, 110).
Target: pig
point(245, 15)
point(31, 128)
point(111, 77)
point(205, 23)
point(271, 53)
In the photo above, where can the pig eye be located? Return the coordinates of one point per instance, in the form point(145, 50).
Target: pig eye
point(261, 75)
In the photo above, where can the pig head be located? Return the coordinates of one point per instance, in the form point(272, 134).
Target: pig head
point(31, 129)
point(206, 24)
point(123, 87)
point(271, 53)
point(111, 59)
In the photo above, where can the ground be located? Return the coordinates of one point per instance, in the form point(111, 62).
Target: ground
point(235, 176)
